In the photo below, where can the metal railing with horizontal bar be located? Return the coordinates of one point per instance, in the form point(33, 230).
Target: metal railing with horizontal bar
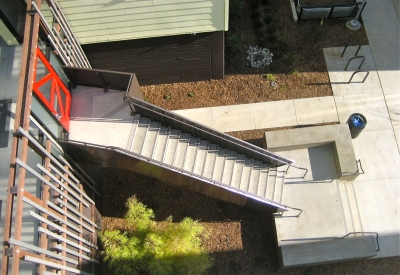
point(176, 170)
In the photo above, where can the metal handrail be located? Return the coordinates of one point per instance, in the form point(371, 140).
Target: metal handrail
point(376, 233)
point(301, 168)
point(351, 173)
point(355, 57)
point(320, 238)
point(345, 48)
point(149, 160)
point(358, 71)
point(280, 214)
point(251, 149)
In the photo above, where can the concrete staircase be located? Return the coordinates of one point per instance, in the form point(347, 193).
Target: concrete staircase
point(182, 150)
point(350, 210)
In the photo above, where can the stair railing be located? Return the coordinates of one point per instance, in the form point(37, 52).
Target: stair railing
point(358, 163)
point(375, 233)
point(278, 205)
point(213, 135)
point(300, 168)
point(330, 238)
point(280, 213)
point(353, 58)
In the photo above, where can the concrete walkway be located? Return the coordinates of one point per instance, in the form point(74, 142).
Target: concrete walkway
point(370, 203)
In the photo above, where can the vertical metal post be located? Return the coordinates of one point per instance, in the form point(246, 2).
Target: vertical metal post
point(22, 112)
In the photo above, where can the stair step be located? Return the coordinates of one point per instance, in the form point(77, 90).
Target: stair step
point(246, 174)
point(269, 193)
point(219, 164)
point(181, 150)
point(172, 144)
point(201, 154)
point(228, 167)
point(161, 143)
point(190, 154)
point(135, 123)
point(254, 177)
point(210, 160)
point(237, 171)
point(151, 138)
point(140, 135)
point(261, 187)
point(279, 184)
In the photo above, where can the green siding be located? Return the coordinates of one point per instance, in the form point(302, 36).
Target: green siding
point(94, 21)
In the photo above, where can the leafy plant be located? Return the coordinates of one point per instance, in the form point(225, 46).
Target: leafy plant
point(294, 72)
point(270, 77)
point(191, 94)
point(267, 19)
point(271, 29)
point(236, 8)
point(271, 38)
point(283, 88)
point(235, 43)
point(150, 247)
point(256, 13)
point(167, 97)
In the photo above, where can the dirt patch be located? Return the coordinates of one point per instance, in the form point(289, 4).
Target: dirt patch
point(298, 62)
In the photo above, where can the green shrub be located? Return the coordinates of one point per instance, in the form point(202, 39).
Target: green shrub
point(235, 43)
point(155, 248)
point(267, 19)
point(236, 8)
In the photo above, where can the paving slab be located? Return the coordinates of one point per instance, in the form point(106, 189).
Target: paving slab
point(383, 215)
point(200, 115)
point(376, 150)
point(336, 63)
point(233, 118)
point(266, 114)
point(390, 79)
point(385, 51)
point(315, 110)
point(321, 217)
point(393, 105)
point(373, 107)
point(379, 7)
point(381, 26)
point(396, 129)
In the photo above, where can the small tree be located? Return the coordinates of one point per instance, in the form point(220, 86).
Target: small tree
point(148, 247)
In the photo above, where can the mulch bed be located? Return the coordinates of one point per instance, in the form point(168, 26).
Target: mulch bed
point(298, 61)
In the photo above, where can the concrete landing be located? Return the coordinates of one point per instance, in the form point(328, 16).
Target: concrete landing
point(100, 118)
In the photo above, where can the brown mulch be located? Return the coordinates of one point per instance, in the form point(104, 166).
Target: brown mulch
point(241, 241)
point(298, 63)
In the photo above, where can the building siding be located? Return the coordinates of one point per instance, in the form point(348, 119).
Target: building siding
point(95, 21)
point(158, 60)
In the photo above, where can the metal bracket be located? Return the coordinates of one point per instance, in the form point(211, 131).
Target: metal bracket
point(9, 251)
point(14, 190)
